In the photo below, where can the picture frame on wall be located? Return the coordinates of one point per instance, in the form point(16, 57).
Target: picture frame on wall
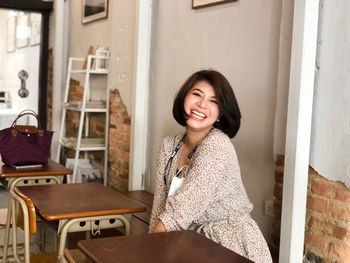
point(93, 10)
point(11, 35)
point(22, 30)
point(205, 3)
point(35, 29)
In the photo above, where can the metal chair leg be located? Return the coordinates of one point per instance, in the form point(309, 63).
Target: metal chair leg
point(7, 231)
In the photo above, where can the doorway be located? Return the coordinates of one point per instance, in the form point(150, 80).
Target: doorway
point(24, 58)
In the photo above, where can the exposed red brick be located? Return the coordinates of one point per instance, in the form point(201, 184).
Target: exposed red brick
point(341, 251)
point(316, 240)
point(123, 146)
point(323, 189)
point(279, 176)
point(277, 208)
point(342, 194)
point(280, 160)
point(316, 204)
point(341, 233)
point(340, 211)
point(278, 191)
point(123, 128)
point(315, 223)
point(125, 156)
point(327, 217)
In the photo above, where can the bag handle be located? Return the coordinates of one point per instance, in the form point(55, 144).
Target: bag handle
point(29, 112)
point(26, 112)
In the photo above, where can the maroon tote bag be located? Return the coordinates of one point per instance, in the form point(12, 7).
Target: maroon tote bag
point(23, 144)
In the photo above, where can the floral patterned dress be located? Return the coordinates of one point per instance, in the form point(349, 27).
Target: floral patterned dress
point(212, 199)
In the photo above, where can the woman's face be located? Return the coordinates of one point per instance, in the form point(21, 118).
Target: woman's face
point(201, 107)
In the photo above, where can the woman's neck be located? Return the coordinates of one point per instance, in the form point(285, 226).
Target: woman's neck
point(193, 138)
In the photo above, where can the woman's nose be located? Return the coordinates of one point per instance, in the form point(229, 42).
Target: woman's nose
point(202, 103)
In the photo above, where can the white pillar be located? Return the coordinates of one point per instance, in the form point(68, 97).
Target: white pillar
point(60, 52)
point(298, 133)
point(139, 116)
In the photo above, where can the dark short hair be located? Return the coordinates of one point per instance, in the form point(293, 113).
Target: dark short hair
point(229, 113)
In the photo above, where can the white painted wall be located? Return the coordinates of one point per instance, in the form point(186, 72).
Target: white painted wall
point(26, 58)
point(330, 144)
point(283, 76)
point(123, 37)
point(116, 32)
point(82, 36)
point(241, 40)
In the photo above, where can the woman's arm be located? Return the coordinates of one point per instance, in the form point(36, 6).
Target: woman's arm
point(206, 171)
point(159, 227)
point(159, 188)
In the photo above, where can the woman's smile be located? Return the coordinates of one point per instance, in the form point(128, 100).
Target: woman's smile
point(201, 107)
point(198, 115)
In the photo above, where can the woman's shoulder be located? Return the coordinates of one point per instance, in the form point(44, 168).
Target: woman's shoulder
point(169, 141)
point(173, 138)
point(217, 142)
point(218, 138)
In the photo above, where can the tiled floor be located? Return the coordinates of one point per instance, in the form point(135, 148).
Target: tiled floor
point(4, 196)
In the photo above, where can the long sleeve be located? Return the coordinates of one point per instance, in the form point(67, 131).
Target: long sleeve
point(159, 189)
point(207, 170)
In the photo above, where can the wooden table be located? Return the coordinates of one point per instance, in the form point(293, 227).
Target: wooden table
point(32, 175)
point(79, 207)
point(51, 173)
point(178, 246)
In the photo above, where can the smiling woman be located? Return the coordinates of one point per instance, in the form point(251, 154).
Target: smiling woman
point(198, 184)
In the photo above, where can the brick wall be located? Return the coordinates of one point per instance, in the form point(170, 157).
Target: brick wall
point(119, 142)
point(119, 136)
point(327, 223)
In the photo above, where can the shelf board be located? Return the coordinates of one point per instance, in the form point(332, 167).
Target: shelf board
point(89, 106)
point(91, 71)
point(85, 148)
point(76, 108)
point(86, 144)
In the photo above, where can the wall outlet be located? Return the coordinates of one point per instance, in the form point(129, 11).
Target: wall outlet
point(269, 208)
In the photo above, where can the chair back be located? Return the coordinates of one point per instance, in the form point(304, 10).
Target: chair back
point(31, 214)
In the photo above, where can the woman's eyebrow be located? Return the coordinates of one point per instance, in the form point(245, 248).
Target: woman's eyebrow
point(196, 89)
point(199, 90)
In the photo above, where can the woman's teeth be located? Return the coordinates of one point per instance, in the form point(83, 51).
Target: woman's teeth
point(198, 114)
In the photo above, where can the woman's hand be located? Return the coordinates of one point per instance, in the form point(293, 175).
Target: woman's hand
point(159, 227)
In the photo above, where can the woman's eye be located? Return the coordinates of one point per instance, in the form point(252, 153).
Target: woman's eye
point(214, 101)
point(196, 94)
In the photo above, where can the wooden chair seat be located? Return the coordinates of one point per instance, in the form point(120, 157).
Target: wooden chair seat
point(75, 256)
point(44, 258)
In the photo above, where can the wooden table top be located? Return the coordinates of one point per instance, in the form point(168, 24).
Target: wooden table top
point(66, 201)
point(178, 246)
point(52, 168)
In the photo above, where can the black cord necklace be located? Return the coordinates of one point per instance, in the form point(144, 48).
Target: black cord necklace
point(168, 164)
point(177, 148)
